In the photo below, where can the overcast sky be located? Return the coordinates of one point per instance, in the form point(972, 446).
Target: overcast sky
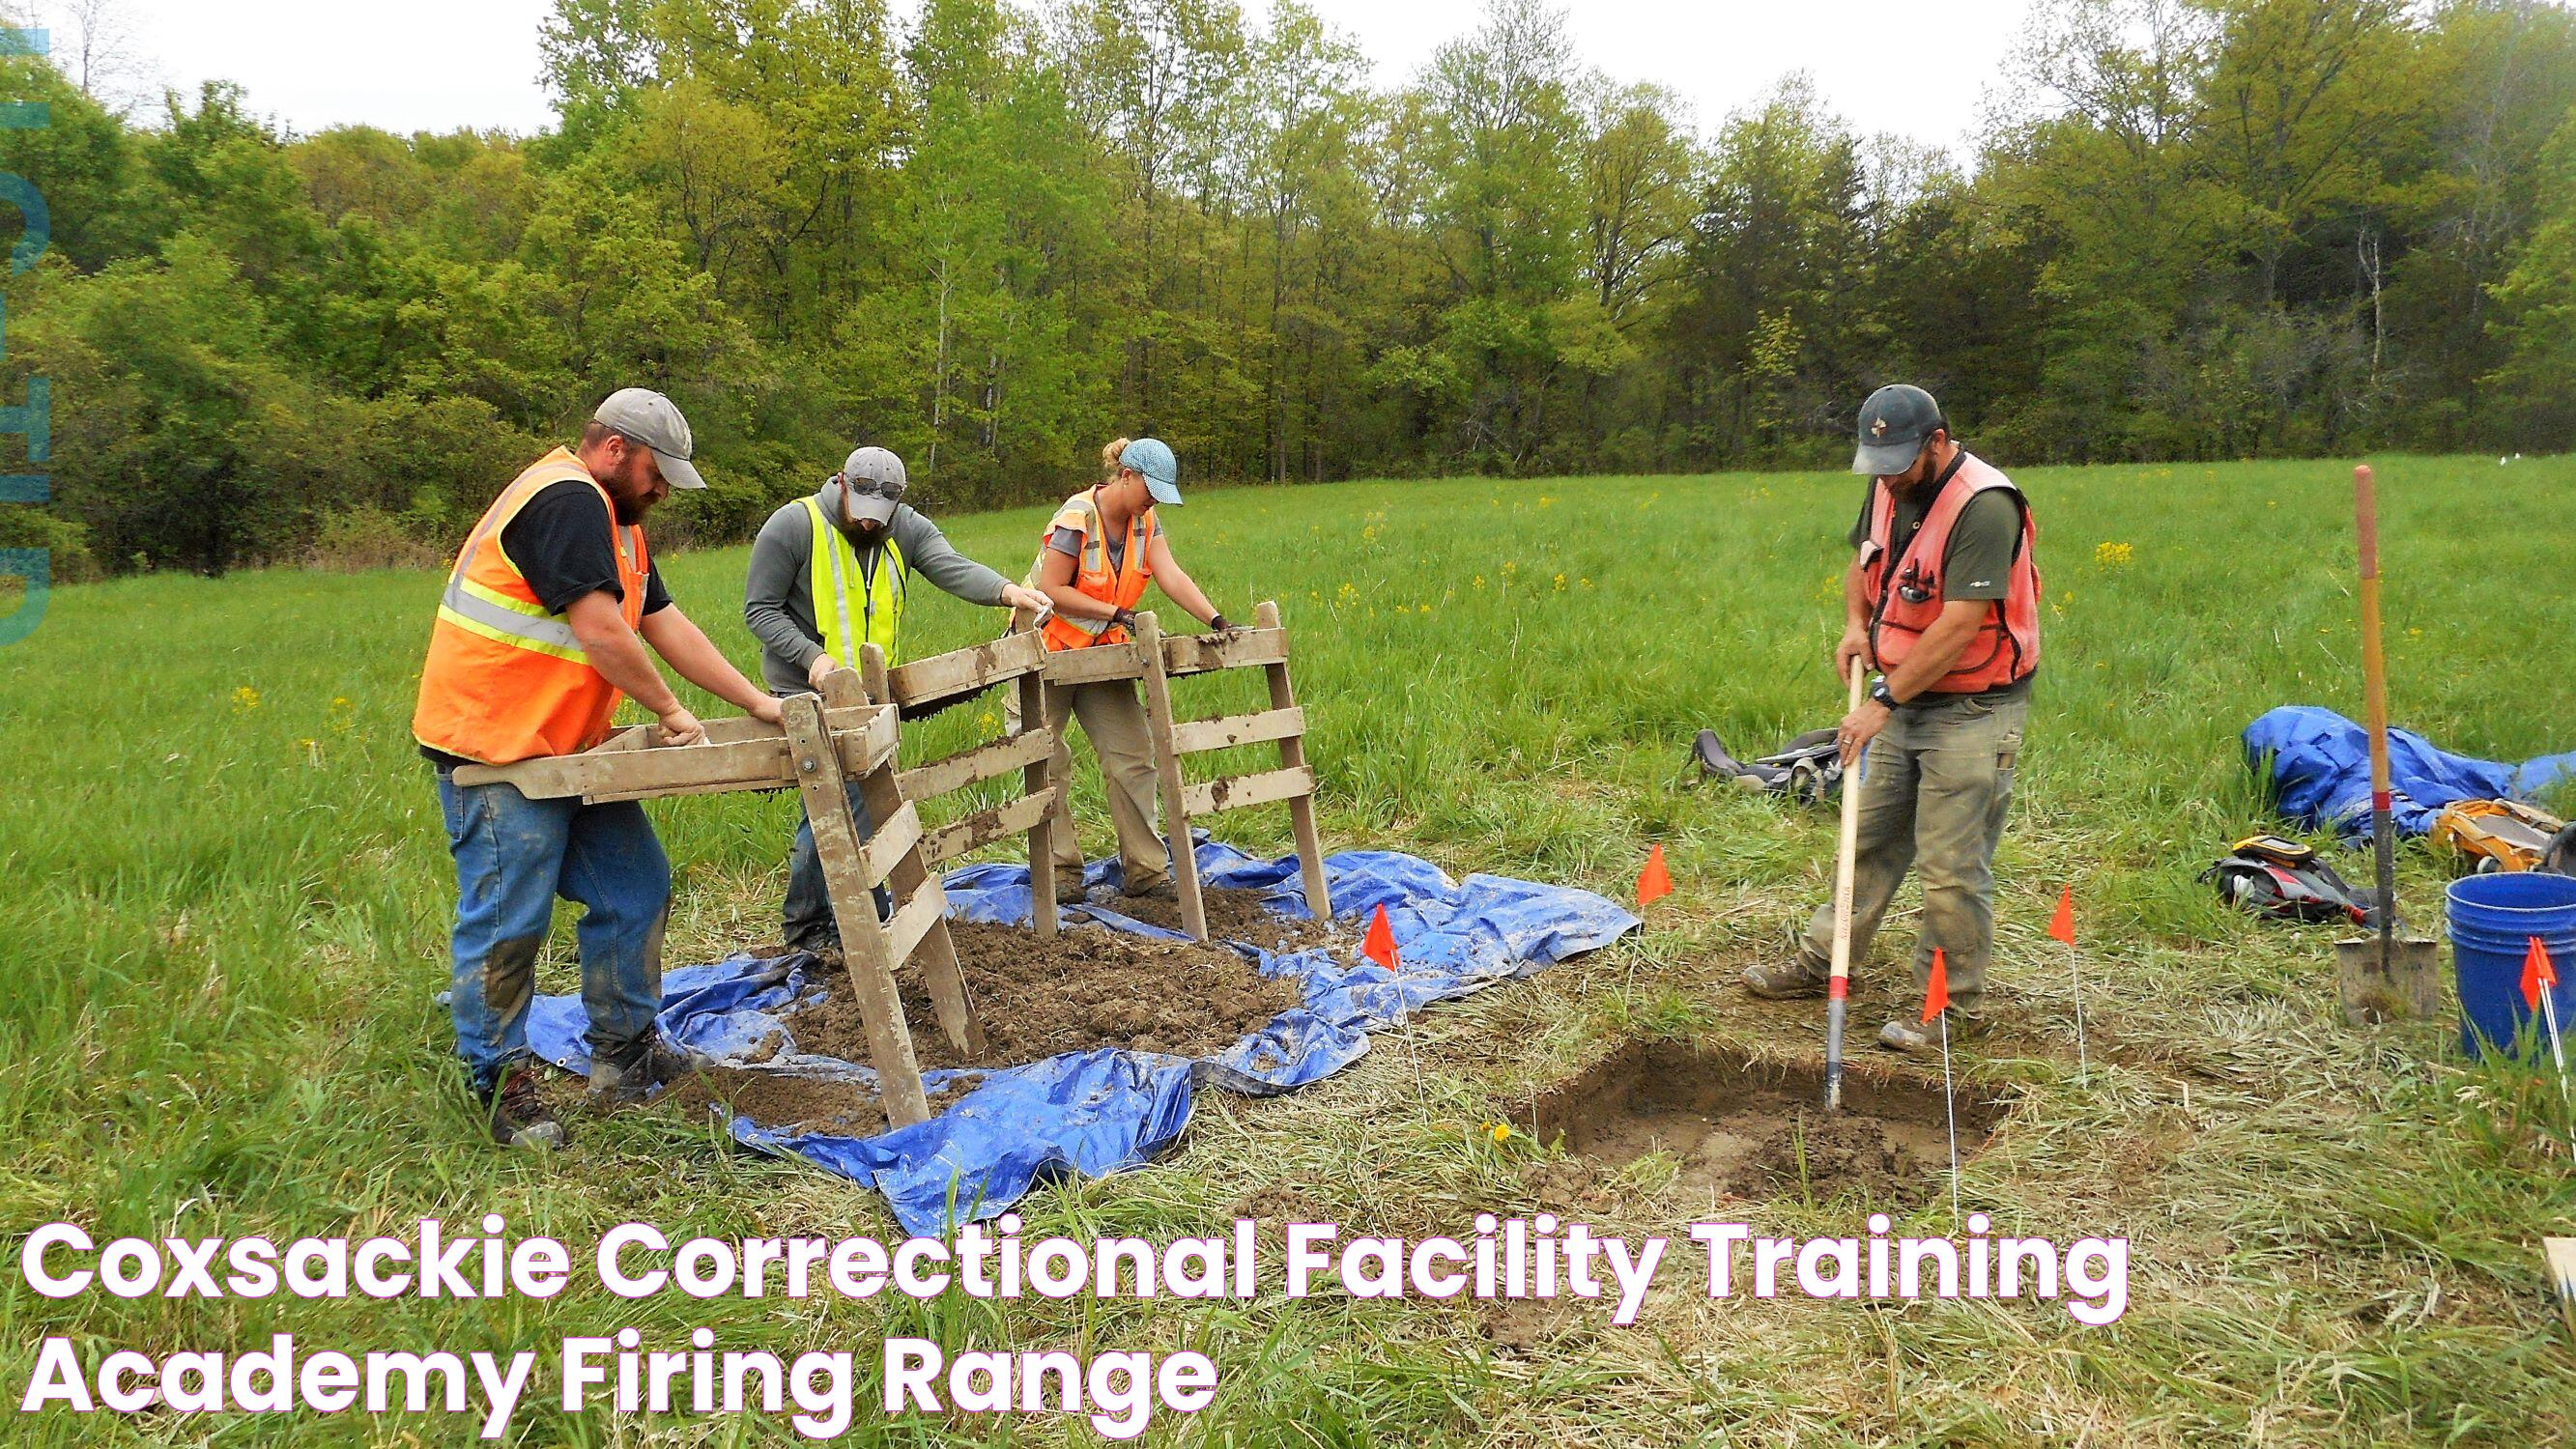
point(1916, 69)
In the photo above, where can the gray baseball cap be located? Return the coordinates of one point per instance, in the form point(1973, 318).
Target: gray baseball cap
point(879, 479)
point(1893, 424)
point(644, 416)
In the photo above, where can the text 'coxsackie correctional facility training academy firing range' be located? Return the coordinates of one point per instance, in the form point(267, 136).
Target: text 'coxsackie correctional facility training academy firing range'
point(1944, 952)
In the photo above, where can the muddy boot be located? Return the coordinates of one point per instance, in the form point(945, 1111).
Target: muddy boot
point(520, 1118)
point(1909, 1037)
point(1782, 981)
point(1069, 889)
point(630, 1079)
point(1162, 890)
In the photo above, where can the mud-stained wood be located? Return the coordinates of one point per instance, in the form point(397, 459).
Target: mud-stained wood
point(1210, 796)
point(1040, 779)
point(1167, 767)
point(962, 670)
point(885, 848)
point(918, 915)
point(936, 952)
point(864, 736)
point(1292, 756)
point(1227, 731)
point(1199, 653)
point(985, 827)
point(983, 762)
point(1068, 667)
point(866, 950)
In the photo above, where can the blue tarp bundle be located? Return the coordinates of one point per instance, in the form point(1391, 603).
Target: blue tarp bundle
point(1098, 1111)
point(2320, 765)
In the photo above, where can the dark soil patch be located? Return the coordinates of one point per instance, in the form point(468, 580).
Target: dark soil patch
point(1233, 914)
point(782, 1102)
point(1090, 987)
point(1750, 1130)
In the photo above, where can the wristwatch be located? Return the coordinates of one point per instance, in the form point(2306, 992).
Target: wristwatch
point(1879, 691)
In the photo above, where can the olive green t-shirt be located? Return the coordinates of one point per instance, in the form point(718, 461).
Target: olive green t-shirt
point(1978, 562)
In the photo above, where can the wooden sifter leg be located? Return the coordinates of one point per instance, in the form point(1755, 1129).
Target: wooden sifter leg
point(938, 951)
point(1292, 755)
point(1033, 716)
point(1176, 813)
point(865, 947)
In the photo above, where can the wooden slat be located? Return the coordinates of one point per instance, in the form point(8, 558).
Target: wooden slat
point(1090, 666)
point(915, 919)
point(1199, 653)
point(1292, 756)
point(984, 827)
point(984, 762)
point(1208, 797)
point(865, 736)
point(960, 670)
point(1196, 735)
point(885, 848)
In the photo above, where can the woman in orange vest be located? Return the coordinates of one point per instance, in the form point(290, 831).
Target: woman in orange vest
point(1094, 559)
point(542, 629)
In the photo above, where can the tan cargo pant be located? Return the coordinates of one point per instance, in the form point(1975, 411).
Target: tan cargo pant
point(1113, 719)
point(1932, 799)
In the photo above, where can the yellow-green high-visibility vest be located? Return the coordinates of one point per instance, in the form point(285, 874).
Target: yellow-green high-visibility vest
point(879, 577)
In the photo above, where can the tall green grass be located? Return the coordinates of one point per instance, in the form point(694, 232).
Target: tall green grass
point(228, 893)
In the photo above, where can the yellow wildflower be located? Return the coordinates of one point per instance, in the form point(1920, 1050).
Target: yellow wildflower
point(245, 699)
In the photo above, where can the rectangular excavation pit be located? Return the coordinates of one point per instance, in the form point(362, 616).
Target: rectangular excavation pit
point(1734, 1126)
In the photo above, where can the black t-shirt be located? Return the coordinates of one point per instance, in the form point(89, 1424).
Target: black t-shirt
point(565, 546)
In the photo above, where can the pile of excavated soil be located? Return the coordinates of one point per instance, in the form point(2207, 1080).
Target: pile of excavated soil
point(1733, 1127)
point(1089, 987)
point(1232, 915)
point(782, 1102)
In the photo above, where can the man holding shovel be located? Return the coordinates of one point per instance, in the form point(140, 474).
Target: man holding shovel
point(1942, 596)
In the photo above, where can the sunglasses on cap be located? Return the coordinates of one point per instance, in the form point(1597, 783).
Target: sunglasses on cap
point(868, 487)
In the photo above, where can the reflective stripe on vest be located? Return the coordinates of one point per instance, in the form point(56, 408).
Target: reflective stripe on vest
point(505, 679)
point(1092, 575)
point(834, 559)
point(2005, 648)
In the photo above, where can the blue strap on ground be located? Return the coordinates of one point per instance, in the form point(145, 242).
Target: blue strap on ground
point(2320, 766)
point(1098, 1111)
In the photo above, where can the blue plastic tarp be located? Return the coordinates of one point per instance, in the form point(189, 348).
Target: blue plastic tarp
point(1099, 1111)
point(2320, 764)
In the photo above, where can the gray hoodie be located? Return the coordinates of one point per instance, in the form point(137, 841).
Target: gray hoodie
point(778, 602)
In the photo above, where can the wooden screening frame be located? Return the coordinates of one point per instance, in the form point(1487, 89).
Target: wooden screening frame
point(1018, 660)
point(823, 743)
point(1157, 659)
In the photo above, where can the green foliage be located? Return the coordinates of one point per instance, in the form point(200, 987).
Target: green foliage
point(992, 238)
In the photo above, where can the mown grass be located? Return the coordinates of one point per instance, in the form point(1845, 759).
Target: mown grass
point(228, 897)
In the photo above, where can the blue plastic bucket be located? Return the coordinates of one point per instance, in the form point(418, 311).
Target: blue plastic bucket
point(2493, 918)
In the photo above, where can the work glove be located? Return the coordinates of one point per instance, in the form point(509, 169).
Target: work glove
point(1217, 624)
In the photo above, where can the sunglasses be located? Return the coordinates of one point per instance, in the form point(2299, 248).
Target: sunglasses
point(869, 488)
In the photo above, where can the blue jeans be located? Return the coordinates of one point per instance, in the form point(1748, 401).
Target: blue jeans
point(514, 855)
point(806, 920)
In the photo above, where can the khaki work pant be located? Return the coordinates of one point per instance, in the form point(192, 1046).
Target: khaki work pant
point(1932, 799)
point(1113, 719)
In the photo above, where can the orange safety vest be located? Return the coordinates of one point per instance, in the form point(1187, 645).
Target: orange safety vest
point(1122, 586)
point(1907, 591)
point(506, 680)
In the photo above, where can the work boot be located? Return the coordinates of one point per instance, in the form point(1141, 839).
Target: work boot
point(1783, 981)
point(1069, 889)
point(520, 1118)
point(1162, 890)
point(657, 1063)
point(1908, 1036)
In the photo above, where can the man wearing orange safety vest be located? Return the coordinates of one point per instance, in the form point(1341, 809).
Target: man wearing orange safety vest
point(541, 631)
point(1094, 559)
point(1943, 597)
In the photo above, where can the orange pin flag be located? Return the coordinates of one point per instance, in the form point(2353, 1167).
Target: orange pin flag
point(1379, 944)
point(2539, 974)
point(2062, 925)
point(1936, 995)
point(1654, 882)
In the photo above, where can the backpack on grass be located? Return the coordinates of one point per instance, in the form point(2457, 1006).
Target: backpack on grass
point(1809, 768)
point(2492, 835)
point(2282, 880)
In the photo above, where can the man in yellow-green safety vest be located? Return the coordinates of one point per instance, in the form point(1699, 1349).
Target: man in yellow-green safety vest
point(828, 574)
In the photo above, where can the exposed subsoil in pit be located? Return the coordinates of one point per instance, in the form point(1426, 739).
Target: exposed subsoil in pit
point(1744, 1129)
point(1090, 987)
point(1232, 915)
point(785, 1103)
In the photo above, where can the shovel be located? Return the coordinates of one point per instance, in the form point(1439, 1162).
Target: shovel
point(2382, 978)
point(1846, 850)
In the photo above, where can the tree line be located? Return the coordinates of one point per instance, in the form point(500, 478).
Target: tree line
point(992, 237)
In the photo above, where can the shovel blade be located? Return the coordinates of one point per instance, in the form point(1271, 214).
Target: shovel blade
point(2408, 988)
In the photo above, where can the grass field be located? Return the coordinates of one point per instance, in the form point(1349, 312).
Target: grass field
point(227, 898)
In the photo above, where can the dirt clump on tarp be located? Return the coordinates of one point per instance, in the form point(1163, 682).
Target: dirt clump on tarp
point(1707, 1123)
point(1233, 914)
point(1089, 987)
point(784, 1102)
